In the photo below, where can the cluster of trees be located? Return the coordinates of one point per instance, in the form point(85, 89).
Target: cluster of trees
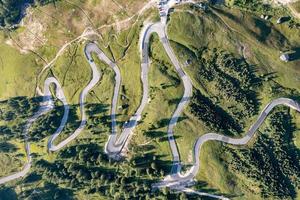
point(273, 163)
point(212, 115)
point(46, 191)
point(11, 11)
point(82, 166)
point(85, 167)
point(47, 124)
point(99, 119)
point(231, 80)
point(14, 113)
point(253, 6)
point(18, 108)
point(231, 84)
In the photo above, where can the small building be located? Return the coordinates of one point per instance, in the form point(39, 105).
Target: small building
point(279, 21)
point(285, 57)
point(265, 17)
point(202, 5)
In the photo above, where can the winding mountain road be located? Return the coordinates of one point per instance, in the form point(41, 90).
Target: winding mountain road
point(160, 29)
point(95, 79)
point(115, 144)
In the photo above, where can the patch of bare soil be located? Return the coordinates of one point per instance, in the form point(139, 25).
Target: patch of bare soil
point(190, 156)
point(245, 50)
point(53, 25)
point(31, 34)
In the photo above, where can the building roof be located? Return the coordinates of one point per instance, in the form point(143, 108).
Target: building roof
point(285, 57)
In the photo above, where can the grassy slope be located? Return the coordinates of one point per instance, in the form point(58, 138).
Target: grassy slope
point(13, 66)
point(13, 160)
point(124, 50)
point(296, 6)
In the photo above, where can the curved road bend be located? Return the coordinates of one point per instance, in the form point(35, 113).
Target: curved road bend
point(114, 144)
point(60, 95)
point(180, 180)
point(46, 105)
point(174, 180)
point(160, 29)
point(95, 79)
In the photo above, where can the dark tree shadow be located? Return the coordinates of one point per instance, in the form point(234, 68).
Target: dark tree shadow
point(7, 193)
point(295, 55)
point(49, 191)
point(33, 177)
point(6, 147)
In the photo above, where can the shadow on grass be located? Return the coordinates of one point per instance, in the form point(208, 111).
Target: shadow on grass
point(202, 186)
point(48, 191)
point(295, 55)
point(165, 122)
point(6, 147)
point(160, 135)
point(33, 177)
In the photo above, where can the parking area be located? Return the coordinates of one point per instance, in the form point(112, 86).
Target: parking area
point(164, 6)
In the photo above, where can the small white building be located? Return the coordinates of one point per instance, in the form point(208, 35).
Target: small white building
point(279, 20)
point(285, 57)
